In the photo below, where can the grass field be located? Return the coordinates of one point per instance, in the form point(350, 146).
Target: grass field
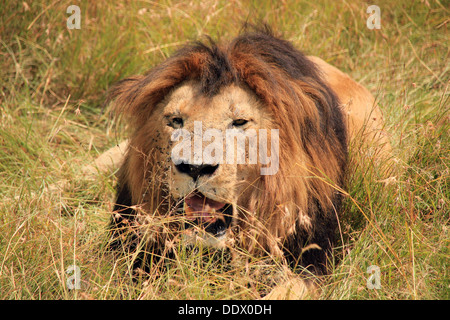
point(52, 123)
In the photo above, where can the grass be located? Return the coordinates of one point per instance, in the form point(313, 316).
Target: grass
point(52, 122)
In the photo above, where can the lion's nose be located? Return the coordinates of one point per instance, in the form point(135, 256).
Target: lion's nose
point(195, 171)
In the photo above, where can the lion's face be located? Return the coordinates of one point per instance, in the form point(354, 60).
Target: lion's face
point(202, 176)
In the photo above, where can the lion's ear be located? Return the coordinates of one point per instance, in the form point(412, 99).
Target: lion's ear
point(137, 96)
point(123, 95)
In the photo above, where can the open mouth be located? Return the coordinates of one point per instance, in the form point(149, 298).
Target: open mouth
point(211, 215)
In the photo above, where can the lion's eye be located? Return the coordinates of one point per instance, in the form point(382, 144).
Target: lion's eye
point(175, 122)
point(239, 122)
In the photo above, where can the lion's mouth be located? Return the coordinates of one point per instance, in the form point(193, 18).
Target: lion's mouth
point(211, 215)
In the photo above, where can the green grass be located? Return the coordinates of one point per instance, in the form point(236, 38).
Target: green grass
point(52, 122)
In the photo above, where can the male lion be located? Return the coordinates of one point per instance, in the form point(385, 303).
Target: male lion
point(257, 81)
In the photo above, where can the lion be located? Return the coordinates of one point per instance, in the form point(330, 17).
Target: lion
point(257, 83)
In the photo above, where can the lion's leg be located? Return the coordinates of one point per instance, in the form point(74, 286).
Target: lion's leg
point(109, 160)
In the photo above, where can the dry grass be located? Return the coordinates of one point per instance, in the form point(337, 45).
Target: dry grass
point(52, 123)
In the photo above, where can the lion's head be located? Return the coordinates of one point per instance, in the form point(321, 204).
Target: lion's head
point(277, 195)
